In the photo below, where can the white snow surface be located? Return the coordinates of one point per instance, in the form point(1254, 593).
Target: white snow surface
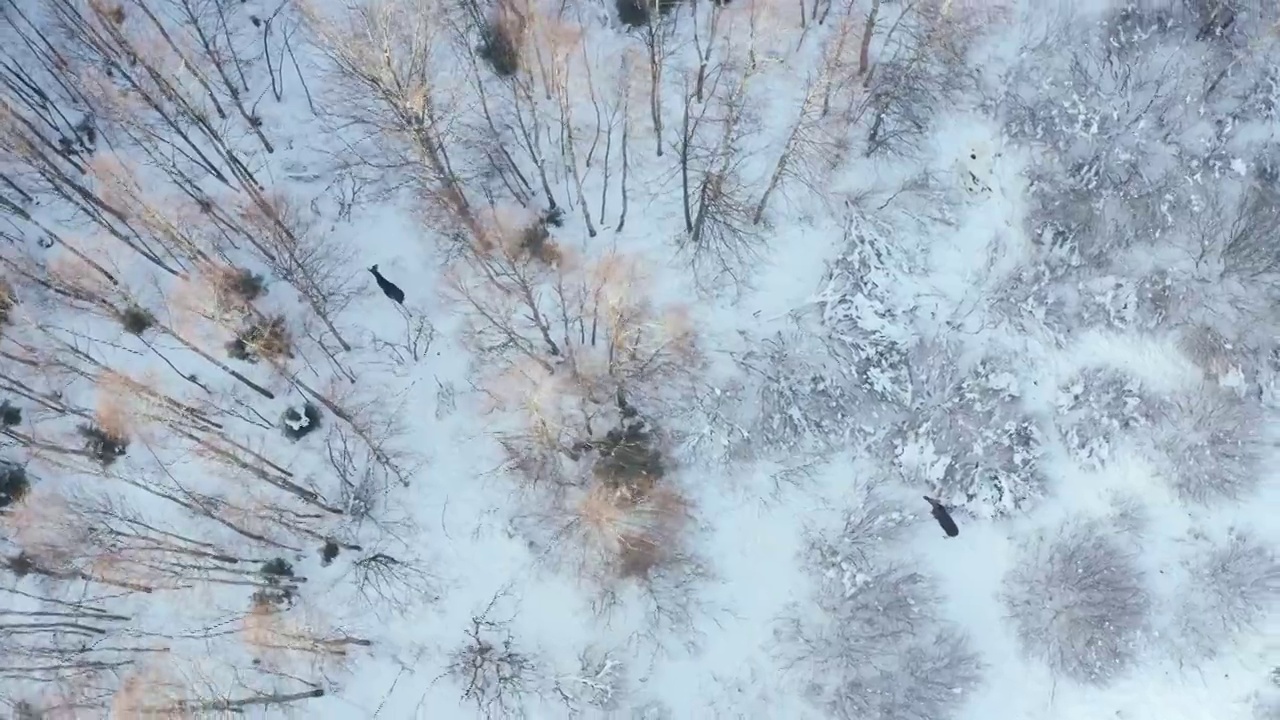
point(979, 305)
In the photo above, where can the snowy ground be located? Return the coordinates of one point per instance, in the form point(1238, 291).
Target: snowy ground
point(1051, 306)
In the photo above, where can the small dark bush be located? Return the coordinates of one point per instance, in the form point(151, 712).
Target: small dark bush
point(23, 710)
point(102, 445)
point(277, 573)
point(244, 285)
point(13, 483)
point(7, 301)
point(499, 46)
point(238, 350)
point(536, 238)
point(297, 423)
point(269, 338)
point(533, 239)
point(627, 459)
point(637, 13)
point(10, 414)
point(328, 552)
point(276, 568)
point(21, 565)
point(136, 320)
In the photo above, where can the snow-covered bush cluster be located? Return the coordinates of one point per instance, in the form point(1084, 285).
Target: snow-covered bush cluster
point(968, 437)
point(1228, 588)
point(1210, 444)
point(859, 317)
point(1078, 601)
point(1099, 408)
point(1147, 207)
point(879, 647)
point(807, 403)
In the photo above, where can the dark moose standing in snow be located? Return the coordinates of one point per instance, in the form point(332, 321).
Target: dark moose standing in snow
point(943, 517)
point(389, 288)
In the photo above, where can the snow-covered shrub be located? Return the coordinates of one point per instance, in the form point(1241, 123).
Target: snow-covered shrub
point(1209, 443)
point(879, 650)
point(298, 422)
point(717, 427)
point(969, 438)
point(1246, 235)
point(807, 403)
point(1103, 125)
point(1130, 28)
point(1207, 348)
point(859, 320)
point(1216, 19)
point(1096, 409)
point(1228, 589)
point(1078, 602)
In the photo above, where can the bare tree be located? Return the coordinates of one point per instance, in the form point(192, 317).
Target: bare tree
point(299, 252)
point(1228, 589)
point(493, 672)
point(920, 65)
point(568, 337)
point(391, 52)
point(1079, 603)
point(812, 148)
point(720, 237)
point(1211, 444)
point(876, 646)
point(597, 683)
